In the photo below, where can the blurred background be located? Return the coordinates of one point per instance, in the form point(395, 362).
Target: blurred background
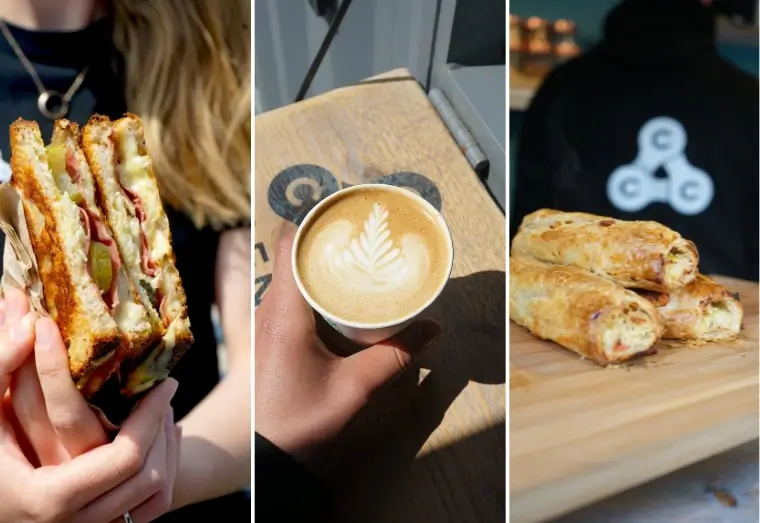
point(455, 47)
point(640, 110)
point(581, 26)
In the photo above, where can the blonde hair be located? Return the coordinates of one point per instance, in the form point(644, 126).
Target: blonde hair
point(188, 77)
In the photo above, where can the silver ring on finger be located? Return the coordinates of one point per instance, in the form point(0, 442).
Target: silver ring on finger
point(128, 518)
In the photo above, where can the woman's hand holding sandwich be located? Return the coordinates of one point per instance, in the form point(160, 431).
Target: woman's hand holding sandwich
point(57, 464)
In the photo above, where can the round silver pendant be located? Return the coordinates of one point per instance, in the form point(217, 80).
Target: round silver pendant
point(52, 105)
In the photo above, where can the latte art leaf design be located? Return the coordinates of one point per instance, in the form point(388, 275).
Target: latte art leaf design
point(371, 259)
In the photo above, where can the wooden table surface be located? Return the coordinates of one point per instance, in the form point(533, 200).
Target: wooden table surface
point(720, 489)
point(580, 433)
point(431, 449)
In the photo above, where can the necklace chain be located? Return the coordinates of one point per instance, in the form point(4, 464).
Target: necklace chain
point(46, 95)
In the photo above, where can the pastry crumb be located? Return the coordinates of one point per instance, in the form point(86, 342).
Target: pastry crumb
point(724, 497)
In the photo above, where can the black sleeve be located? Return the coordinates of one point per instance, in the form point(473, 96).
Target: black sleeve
point(539, 136)
point(284, 490)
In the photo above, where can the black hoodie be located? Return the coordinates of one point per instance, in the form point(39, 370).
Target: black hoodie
point(651, 124)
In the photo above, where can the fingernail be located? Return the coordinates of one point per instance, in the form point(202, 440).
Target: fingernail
point(22, 330)
point(14, 305)
point(44, 333)
point(173, 385)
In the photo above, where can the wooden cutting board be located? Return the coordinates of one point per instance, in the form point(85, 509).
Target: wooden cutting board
point(431, 448)
point(580, 433)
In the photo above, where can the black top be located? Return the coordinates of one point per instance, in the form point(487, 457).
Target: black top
point(58, 58)
point(651, 124)
point(285, 490)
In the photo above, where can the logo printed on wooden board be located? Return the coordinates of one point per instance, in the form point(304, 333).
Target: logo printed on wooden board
point(294, 191)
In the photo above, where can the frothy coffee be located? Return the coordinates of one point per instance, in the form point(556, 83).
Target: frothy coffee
point(372, 256)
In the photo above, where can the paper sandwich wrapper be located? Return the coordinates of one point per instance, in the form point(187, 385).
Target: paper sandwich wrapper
point(20, 268)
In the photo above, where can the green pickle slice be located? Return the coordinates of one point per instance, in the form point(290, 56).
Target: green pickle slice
point(56, 155)
point(100, 265)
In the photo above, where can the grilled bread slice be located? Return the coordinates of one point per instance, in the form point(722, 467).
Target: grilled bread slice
point(61, 246)
point(129, 197)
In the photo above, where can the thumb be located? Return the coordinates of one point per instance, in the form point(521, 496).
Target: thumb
point(16, 345)
point(283, 289)
point(374, 367)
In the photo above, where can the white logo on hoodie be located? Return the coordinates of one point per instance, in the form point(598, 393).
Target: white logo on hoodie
point(662, 142)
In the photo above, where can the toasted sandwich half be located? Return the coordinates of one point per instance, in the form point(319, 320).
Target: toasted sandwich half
point(118, 292)
point(128, 195)
point(85, 289)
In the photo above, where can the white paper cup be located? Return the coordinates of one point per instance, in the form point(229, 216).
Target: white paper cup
point(371, 333)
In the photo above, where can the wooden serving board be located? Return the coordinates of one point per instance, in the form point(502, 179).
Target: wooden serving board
point(432, 447)
point(580, 433)
point(720, 489)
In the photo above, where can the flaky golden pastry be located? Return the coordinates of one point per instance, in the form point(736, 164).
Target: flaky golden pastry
point(588, 314)
point(704, 310)
point(641, 255)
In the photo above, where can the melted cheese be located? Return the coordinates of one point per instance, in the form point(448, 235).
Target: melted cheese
point(126, 229)
point(134, 177)
point(170, 338)
point(128, 313)
point(718, 316)
point(677, 265)
point(75, 238)
point(154, 367)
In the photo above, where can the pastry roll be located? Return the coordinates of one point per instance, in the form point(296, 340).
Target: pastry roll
point(642, 255)
point(590, 315)
point(704, 310)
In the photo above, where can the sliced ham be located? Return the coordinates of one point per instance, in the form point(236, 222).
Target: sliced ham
point(100, 234)
point(72, 166)
point(162, 309)
point(95, 230)
point(84, 218)
point(135, 204)
point(148, 267)
point(146, 263)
